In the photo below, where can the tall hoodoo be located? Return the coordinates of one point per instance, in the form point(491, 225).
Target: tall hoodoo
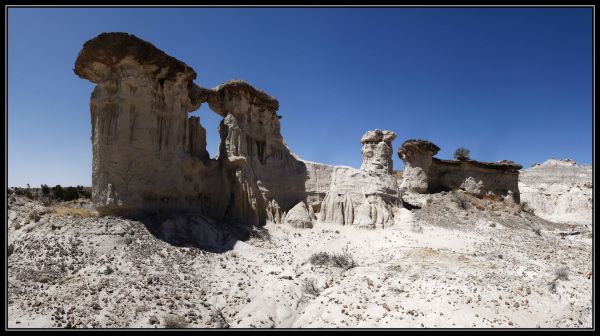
point(417, 156)
point(364, 197)
point(377, 151)
point(264, 174)
point(140, 127)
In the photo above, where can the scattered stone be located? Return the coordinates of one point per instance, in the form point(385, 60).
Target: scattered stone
point(154, 320)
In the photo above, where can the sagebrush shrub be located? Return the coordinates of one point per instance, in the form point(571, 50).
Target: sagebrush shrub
point(309, 286)
point(462, 154)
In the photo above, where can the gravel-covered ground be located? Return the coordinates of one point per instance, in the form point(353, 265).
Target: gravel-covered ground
point(477, 263)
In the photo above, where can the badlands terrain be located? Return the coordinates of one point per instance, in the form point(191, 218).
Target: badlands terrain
point(457, 261)
point(257, 237)
point(559, 190)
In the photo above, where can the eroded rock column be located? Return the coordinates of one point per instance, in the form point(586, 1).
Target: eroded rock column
point(364, 197)
point(417, 156)
point(140, 127)
point(377, 151)
point(267, 180)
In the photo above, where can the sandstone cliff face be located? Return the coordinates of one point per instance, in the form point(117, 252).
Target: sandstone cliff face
point(261, 168)
point(318, 182)
point(559, 191)
point(140, 129)
point(361, 198)
point(148, 154)
point(425, 174)
point(474, 177)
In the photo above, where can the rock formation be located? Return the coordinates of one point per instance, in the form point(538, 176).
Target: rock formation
point(261, 168)
point(559, 191)
point(364, 197)
point(149, 154)
point(377, 151)
point(425, 174)
point(318, 182)
point(299, 217)
point(478, 178)
point(140, 129)
point(417, 155)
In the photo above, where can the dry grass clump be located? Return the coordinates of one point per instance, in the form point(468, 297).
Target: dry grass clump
point(218, 319)
point(174, 322)
point(34, 215)
point(309, 286)
point(461, 199)
point(492, 197)
point(343, 260)
point(525, 207)
point(62, 211)
point(562, 273)
point(319, 258)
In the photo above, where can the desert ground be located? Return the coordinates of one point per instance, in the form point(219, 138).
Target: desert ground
point(458, 261)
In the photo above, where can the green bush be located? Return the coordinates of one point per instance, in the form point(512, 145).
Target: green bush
point(45, 189)
point(70, 193)
point(84, 192)
point(462, 154)
point(58, 192)
point(29, 194)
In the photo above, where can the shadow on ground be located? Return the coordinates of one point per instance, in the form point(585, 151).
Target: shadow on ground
point(186, 229)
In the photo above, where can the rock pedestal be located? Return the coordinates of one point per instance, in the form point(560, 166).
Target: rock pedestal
point(417, 156)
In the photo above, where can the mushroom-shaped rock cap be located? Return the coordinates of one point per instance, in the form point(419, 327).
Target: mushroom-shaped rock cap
point(413, 146)
point(377, 136)
point(389, 136)
point(105, 51)
point(237, 87)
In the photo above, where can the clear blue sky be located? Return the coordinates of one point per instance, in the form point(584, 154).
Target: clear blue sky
point(506, 83)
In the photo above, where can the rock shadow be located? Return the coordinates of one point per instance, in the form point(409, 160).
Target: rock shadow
point(193, 229)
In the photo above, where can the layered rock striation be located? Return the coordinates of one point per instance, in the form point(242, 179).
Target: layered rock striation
point(559, 191)
point(148, 153)
point(141, 134)
point(377, 151)
point(426, 174)
point(364, 197)
point(417, 156)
